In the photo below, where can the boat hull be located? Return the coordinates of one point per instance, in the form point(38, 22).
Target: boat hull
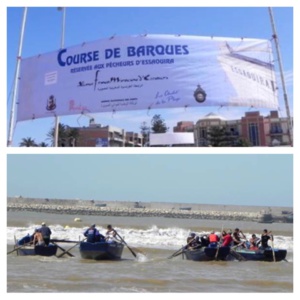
point(38, 250)
point(207, 253)
point(101, 250)
point(260, 254)
point(27, 249)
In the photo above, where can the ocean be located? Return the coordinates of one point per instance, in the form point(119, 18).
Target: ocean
point(154, 240)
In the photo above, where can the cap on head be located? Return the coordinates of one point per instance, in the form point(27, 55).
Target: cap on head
point(43, 224)
point(93, 225)
point(229, 231)
point(192, 234)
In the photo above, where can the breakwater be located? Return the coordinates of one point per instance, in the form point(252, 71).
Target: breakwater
point(137, 209)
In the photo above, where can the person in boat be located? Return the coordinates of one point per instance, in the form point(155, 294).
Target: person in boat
point(93, 235)
point(38, 238)
point(265, 237)
point(46, 233)
point(226, 238)
point(237, 238)
point(110, 234)
point(204, 240)
point(213, 239)
point(193, 241)
point(254, 242)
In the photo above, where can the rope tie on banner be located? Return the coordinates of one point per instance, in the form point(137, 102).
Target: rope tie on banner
point(112, 37)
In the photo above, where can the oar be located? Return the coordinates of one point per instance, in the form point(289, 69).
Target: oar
point(15, 244)
point(237, 255)
point(176, 253)
point(18, 248)
point(64, 250)
point(60, 255)
point(133, 253)
point(179, 251)
point(272, 247)
point(15, 249)
point(62, 241)
point(217, 252)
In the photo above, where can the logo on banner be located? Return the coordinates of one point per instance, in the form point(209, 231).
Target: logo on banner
point(199, 94)
point(51, 103)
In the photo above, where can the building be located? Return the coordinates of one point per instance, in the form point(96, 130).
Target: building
point(252, 128)
point(133, 139)
point(184, 126)
point(96, 135)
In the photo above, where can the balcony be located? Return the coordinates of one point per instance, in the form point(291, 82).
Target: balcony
point(276, 131)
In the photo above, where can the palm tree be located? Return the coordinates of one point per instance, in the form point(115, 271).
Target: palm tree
point(67, 136)
point(42, 144)
point(27, 142)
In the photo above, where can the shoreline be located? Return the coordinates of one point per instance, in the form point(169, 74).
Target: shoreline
point(153, 209)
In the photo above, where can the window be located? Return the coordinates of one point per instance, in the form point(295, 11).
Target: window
point(253, 134)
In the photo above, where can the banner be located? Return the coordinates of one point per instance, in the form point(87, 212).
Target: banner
point(172, 138)
point(148, 72)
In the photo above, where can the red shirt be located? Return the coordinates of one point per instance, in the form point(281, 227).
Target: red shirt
point(227, 239)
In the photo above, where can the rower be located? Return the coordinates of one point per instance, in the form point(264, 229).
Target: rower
point(213, 239)
point(110, 234)
point(265, 237)
point(46, 233)
point(38, 238)
point(93, 235)
point(237, 236)
point(254, 242)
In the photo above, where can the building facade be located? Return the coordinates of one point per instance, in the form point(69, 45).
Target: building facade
point(252, 128)
point(96, 135)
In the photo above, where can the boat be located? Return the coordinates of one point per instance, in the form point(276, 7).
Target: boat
point(207, 253)
point(101, 250)
point(266, 218)
point(24, 248)
point(261, 254)
point(49, 250)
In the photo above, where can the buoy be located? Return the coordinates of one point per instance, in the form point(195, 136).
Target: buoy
point(77, 220)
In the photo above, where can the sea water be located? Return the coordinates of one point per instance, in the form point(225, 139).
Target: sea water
point(154, 240)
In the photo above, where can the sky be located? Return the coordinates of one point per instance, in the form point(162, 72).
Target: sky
point(226, 179)
point(43, 34)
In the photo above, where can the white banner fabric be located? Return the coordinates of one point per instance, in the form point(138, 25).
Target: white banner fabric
point(148, 72)
point(172, 138)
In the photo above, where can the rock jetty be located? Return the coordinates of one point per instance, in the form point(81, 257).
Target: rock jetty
point(132, 209)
